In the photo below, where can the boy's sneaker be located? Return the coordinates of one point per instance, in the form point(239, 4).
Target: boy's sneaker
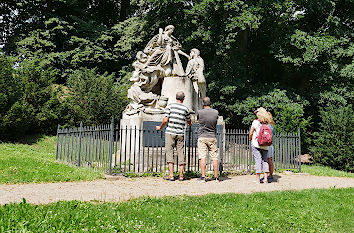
point(216, 179)
point(202, 179)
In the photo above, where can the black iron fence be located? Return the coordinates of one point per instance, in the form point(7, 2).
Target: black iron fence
point(117, 149)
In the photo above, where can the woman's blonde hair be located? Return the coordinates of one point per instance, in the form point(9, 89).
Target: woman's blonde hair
point(271, 121)
point(262, 115)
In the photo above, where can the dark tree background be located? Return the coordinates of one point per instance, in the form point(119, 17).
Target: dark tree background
point(294, 57)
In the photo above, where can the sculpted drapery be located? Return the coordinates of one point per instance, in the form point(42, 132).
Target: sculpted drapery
point(195, 71)
point(163, 50)
point(161, 58)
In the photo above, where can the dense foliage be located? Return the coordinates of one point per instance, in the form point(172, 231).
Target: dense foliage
point(94, 98)
point(333, 145)
point(29, 102)
point(289, 56)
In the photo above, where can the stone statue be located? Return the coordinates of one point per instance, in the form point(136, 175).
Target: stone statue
point(195, 71)
point(158, 74)
point(148, 76)
point(144, 79)
point(163, 51)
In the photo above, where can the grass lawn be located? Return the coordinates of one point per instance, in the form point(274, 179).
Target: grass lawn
point(324, 171)
point(329, 210)
point(33, 161)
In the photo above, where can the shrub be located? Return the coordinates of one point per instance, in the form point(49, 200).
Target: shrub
point(94, 98)
point(9, 90)
point(30, 104)
point(39, 92)
point(333, 143)
point(287, 110)
point(15, 115)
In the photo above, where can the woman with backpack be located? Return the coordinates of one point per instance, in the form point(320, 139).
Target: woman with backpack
point(260, 152)
point(270, 149)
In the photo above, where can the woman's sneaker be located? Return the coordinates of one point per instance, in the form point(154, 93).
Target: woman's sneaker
point(202, 179)
point(270, 179)
point(259, 182)
point(216, 179)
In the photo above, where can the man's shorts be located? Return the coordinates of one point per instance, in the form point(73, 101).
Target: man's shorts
point(177, 141)
point(208, 144)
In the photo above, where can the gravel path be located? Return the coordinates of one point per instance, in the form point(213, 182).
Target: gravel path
point(121, 188)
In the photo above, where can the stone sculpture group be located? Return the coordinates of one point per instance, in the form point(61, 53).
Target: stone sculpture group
point(159, 74)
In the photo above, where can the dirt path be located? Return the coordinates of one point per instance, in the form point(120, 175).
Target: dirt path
point(120, 189)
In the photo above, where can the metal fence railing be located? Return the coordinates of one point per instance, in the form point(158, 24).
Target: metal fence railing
point(117, 149)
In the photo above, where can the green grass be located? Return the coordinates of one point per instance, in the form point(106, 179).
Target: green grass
point(318, 170)
point(33, 161)
point(288, 211)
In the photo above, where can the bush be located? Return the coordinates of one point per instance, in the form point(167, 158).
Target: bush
point(30, 104)
point(9, 90)
point(40, 92)
point(287, 110)
point(95, 99)
point(333, 143)
point(15, 115)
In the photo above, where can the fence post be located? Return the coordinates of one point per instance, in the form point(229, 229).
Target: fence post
point(189, 147)
point(57, 154)
point(299, 149)
point(111, 145)
point(221, 151)
point(80, 136)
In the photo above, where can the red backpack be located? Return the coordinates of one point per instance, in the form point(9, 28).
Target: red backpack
point(265, 136)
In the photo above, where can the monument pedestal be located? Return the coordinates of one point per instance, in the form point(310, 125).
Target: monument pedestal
point(134, 124)
point(132, 137)
point(172, 85)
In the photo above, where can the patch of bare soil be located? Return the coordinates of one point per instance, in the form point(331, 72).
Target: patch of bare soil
point(122, 189)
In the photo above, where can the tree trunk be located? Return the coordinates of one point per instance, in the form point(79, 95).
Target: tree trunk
point(124, 8)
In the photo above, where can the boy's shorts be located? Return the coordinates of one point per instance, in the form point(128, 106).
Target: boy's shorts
point(205, 145)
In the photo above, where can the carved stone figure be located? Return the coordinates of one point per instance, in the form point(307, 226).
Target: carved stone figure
point(195, 71)
point(148, 76)
point(163, 51)
point(144, 78)
point(158, 74)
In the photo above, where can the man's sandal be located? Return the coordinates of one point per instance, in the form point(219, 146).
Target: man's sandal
point(169, 178)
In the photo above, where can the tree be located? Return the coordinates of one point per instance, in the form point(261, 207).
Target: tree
point(94, 99)
point(279, 54)
point(12, 111)
point(30, 103)
point(19, 18)
point(333, 142)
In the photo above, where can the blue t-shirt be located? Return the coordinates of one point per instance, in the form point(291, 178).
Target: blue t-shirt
point(272, 128)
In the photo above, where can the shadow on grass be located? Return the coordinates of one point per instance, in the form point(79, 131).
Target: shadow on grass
point(26, 139)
